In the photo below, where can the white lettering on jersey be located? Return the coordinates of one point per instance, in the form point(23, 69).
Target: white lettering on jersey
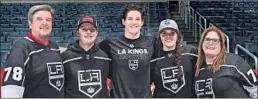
point(132, 51)
point(16, 73)
point(251, 72)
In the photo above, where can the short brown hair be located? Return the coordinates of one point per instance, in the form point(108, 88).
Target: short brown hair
point(132, 7)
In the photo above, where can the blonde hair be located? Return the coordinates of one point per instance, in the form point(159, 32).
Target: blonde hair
point(220, 59)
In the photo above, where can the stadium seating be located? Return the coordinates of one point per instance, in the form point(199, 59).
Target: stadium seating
point(3, 54)
point(238, 19)
point(14, 20)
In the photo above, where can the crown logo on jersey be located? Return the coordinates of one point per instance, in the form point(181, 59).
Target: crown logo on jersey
point(174, 86)
point(58, 83)
point(90, 90)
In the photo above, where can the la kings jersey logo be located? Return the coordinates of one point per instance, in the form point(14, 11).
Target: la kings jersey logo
point(89, 82)
point(204, 89)
point(133, 64)
point(170, 80)
point(56, 75)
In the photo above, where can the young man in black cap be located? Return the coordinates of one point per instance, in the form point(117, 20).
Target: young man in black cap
point(86, 66)
point(34, 67)
point(173, 68)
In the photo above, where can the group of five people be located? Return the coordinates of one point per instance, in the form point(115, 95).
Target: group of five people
point(35, 67)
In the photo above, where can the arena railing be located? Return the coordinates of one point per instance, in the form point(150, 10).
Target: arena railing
point(199, 22)
point(238, 46)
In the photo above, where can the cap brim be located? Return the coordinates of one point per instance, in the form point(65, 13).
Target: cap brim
point(87, 22)
point(175, 30)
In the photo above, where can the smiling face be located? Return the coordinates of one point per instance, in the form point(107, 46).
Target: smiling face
point(87, 33)
point(41, 24)
point(168, 39)
point(211, 45)
point(133, 22)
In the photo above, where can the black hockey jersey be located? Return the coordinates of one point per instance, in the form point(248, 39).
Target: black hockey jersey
point(235, 79)
point(86, 72)
point(130, 65)
point(165, 73)
point(33, 70)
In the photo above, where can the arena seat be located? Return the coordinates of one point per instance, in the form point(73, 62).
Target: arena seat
point(5, 46)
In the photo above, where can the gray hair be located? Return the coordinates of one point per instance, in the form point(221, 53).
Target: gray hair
point(37, 8)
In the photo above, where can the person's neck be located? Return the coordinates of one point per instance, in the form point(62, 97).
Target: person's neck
point(86, 47)
point(169, 48)
point(131, 36)
point(44, 40)
point(210, 59)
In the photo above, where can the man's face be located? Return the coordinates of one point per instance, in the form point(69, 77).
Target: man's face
point(133, 22)
point(41, 24)
point(87, 33)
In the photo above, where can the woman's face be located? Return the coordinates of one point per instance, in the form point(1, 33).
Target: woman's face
point(168, 39)
point(212, 44)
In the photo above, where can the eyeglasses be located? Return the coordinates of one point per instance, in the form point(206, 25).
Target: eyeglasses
point(212, 41)
point(168, 33)
point(88, 29)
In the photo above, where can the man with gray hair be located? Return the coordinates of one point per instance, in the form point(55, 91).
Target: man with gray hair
point(34, 66)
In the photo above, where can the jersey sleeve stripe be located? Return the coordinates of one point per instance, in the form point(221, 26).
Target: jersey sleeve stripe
point(55, 49)
point(28, 39)
point(37, 51)
point(72, 59)
point(12, 91)
point(240, 74)
point(202, 69)
point(157, 59)
point(32, 52)
point(25, 63)
point(104, 58)
point(252, 91)
point(189, 54)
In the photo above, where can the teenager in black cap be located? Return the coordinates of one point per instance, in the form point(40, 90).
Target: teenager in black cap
point(86, 66)
point(131, 54)
point(173, 68)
